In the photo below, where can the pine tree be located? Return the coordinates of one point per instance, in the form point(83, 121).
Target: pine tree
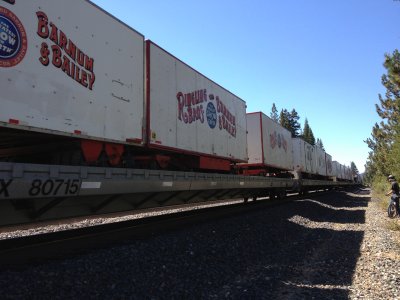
point(284, 119)
point(308, 135)
point(274, 113)
point(385, 142)
point(294, 123)
point(320, 144)
point(312, 138)
point(306, 131)
point(290, 121)
point(354, 169)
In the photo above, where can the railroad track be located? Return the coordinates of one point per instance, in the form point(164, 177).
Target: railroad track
point(20, 251)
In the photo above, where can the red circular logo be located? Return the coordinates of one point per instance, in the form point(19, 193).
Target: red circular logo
point(13, 39)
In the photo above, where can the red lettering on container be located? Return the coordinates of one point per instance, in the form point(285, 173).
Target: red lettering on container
point(190, 108)
point(65, 54)
point(43, 30)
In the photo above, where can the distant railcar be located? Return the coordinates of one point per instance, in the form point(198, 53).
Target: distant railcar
point(303, 158)
point(269, 147)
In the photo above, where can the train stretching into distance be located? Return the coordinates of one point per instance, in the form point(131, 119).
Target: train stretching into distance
point(85, 88)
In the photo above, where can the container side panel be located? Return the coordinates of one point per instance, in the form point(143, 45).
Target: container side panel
point(310, 158)
point(299, 158)
point(254, 138)
point(320, 161)
point(78, 70)
point(189, 112)
point(277, 145)
point(342, 172)
point(329, 167)
point(336, 169)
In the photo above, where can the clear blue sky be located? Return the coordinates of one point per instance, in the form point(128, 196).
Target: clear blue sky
point(323, 58)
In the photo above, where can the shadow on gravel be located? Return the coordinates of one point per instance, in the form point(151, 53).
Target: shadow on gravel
point(303, 250)
point(342, 208)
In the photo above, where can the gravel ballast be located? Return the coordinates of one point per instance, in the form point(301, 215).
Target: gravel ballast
point(333, 246)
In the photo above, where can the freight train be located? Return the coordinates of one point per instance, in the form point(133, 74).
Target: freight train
point(86, 89)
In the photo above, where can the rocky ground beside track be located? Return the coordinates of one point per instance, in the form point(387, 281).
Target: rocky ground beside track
point(14, 231)
point(334, 246)
point(377, 274)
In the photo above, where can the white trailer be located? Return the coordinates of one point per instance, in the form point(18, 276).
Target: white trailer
point(303, 156)
point(320, 162)
point(337, 170)
point(69, 68)
point(269, 144)
point(329, 166)
point(349, 174)
point(191, 114)
point(345, 173)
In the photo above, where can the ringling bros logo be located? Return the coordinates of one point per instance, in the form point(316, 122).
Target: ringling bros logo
point(277, 139)
point(191, 109)
point(13, 40)
point(63, 53)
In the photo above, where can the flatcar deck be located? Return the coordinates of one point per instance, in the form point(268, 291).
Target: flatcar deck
point(33, 192)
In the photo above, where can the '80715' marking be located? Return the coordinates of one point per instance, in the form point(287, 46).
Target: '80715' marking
point(54, 187)
point(9, 188)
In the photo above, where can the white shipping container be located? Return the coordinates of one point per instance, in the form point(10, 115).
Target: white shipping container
point(68, 67)
point(299, 158)
point(190, 113)
point(329, 166)
point(269, 144)
point(349, 175)
point(342, 171)
point(320, 161)
point(336, 170)
point(303, 156)
point(346, 173)
point(310, 158)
